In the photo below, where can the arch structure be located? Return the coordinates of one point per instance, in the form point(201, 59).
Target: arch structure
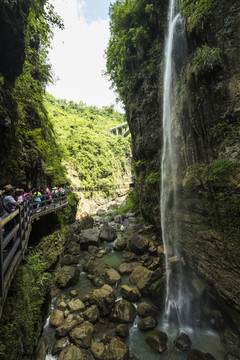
point(122, 130)
point(14, 242)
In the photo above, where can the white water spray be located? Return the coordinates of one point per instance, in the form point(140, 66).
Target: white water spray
point(174, 299)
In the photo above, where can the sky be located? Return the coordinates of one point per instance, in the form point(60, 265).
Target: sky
point(77, 54)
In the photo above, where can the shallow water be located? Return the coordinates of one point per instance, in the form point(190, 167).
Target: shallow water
point(203, 339)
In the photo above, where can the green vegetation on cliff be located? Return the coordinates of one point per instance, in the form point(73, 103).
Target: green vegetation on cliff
point(28, 144)
point(96, 157)
point(132, 32)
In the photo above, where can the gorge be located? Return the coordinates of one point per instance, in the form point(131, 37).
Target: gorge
point(195, 171)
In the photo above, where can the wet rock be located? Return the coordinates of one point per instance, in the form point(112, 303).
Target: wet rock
point(138, 244)
point(98, 350)
point(106, 219)
point(41, 351)
point(92, 314)
point(232, 356)
point(130, 293)
point(230, 338)
point(89, 237)
point(68, 276)
point(71, 353)
point(157, 340)
point(76, 305)
point(183, 342)
point(195, 354)
point(154, 264)
point(118, 218)
point(56, 318)
point(60, 345)
point(67, 326)
point(73, 293)
point(122, 331)
point(145, 310)
point(69, 259)
point(124, 311)
point(119, 244)
point(93, 249)
point(147, 323)
point(73, 248)
point(143, 278)
point(116, 350)
point(82, 335)
point(112, 277)
point(127, 268)
point(98, 281)
point(108, 233)
point(129, 256)
point(104, 298)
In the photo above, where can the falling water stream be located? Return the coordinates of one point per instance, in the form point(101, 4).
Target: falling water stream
point(174, 301)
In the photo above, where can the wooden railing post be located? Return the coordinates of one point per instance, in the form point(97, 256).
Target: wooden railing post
point(19, 221)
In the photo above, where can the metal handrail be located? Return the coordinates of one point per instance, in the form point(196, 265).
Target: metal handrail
point(18, 236)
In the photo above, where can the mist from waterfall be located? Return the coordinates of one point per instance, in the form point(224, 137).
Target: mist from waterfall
point(176, 304)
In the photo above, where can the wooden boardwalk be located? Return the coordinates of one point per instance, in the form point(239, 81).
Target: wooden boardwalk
point(13, 244)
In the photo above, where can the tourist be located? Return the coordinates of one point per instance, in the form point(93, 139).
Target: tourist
point(20, 196)
point(9, 205)
point(37, 198)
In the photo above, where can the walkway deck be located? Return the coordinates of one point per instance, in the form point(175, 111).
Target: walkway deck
point(13, 245)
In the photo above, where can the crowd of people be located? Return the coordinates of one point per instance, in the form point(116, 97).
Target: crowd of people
point(12, 197)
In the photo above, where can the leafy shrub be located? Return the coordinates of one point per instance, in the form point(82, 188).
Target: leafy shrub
point(206, 59)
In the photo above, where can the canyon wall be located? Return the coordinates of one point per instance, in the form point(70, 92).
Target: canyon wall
point(207, 92)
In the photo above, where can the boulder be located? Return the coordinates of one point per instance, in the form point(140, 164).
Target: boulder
point(60, 345)
point(89, 237)
point(145, 310)
point(56, 318)
point(82, 335)
point(92, 314)
point(230, 338)
point(119, 244)
point(108, 233)
point(122, 331)
point(195, 354)
point(104, 298)
point(112, 277)
point(124, 312)
point(98, 350)
point(116, 350)
point(138, 244)
point(71, 353)
point(67, 326)
point(147, 323)
point(157, 340)
point(68, 276)
point(76, 305)
point(130, 293)
point(183, 342)
point(127, 268)
point(73, 248)
point(69, 259)
point(232, 356)
point(118, 218)
point(101, 212)
point(92, 249)
point(143, 278)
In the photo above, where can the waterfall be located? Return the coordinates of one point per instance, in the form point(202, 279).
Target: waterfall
point(176, 304)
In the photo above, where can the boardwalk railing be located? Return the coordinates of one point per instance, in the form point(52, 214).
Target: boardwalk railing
point(14, 235)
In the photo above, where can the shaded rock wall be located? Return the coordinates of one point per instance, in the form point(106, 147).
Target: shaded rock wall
point(207, 116)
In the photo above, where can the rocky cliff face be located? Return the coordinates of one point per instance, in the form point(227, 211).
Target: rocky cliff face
point(26, 136)
point(207, 89)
